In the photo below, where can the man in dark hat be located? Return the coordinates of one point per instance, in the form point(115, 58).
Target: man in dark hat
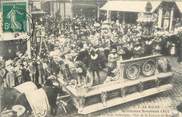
point(94, 66)
point(128, 53)
point(148, 47)
point(34, 71)
point(25, 73)
point(83, 54)
point(138, 50)
point(81, 72)
point(10, 76)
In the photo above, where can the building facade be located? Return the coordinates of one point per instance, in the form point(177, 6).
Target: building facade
point(58, 7)
point(167, 12)
point(73, 8)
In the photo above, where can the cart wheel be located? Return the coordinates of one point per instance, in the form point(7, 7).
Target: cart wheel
point(133, 71)
point(149, 68)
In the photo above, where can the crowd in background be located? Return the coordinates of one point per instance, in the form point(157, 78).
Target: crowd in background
point(74, 47)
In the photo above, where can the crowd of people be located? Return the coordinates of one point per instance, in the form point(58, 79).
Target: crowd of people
point(77, 48)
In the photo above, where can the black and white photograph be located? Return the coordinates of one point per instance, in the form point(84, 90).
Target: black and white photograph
point(90, 58)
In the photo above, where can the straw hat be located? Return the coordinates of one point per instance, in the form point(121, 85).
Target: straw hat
point(8, 62)
point(96, 24)
point(113, 50)
point(137, 43)
point(19, 109)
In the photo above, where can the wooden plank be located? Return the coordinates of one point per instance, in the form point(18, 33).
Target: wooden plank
point(113, 85)
point(121, 100)
point(141, 58)
point(164, 75)
point(71, 91)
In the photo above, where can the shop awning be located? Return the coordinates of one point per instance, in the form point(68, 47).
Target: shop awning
point(179, 5)
point(85, 5)
point(56, 0)
point(37, 12)
point(129, 6)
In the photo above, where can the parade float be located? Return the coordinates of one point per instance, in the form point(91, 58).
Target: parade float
point(135, 78)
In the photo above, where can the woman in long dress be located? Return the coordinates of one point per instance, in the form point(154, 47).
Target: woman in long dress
point(10, 77)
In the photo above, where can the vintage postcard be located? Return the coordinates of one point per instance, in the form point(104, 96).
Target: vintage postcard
point(90, 58)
